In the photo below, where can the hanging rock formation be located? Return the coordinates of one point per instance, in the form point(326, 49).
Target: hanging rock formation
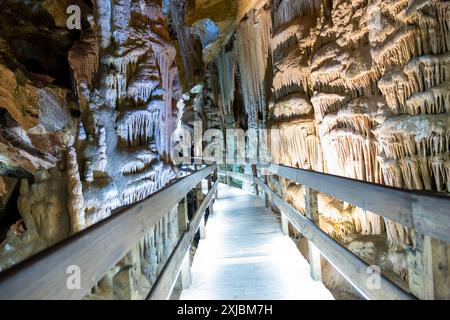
point(354, 88)
point(86, 120)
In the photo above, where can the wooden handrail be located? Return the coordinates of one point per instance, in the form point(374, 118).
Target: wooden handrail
point(166, 280)
point(94, 250)
point(97, 249)
point(351, 266)
point(426, 212)
point(236, 175)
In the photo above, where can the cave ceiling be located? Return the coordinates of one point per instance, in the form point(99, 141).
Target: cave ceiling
point(226, 14)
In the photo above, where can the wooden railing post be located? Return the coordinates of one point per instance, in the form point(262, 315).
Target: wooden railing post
point(266, 195)
point(255, 174)
point(183, 219)
point(216, 178)
point(200, 197)
point(428, 268)
point(185, 273)
point(284, 224)
point(183, 226)
point(210, 185)
point(312, 213)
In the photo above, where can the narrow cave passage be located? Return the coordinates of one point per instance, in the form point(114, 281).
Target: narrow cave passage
point(217, 149)
point(245, 256)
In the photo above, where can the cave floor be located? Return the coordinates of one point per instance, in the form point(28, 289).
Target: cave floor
point(245, 256)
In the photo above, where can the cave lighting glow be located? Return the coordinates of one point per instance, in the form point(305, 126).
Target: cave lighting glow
point(282, 261)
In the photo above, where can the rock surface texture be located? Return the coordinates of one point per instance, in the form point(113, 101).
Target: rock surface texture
point(86, 120)
point(355, 88)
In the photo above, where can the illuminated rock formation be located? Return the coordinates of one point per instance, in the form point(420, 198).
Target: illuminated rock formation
point(356, 88)
point(107, 125)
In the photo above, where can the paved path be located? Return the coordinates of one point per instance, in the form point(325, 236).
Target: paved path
point(245, 256)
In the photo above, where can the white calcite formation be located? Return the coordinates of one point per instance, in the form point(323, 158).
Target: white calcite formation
point(127, 126)
point(356, 88)
point(115, 149)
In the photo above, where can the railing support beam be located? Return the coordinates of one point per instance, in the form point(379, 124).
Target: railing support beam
point(266, 195)
point(200, 198)
point(202, 229)
point(255, 174)
point(183, 226)
point(186, 277)
point(96, 249)
point(428, 268)
point(183, 219)
point(312, 213)
point(284, 224)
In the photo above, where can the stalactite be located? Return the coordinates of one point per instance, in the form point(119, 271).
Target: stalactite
point(157, 245)
point(137, 127)
point(185, 40)
point(367, 223)
point(143, 159)
point(297, 145)
point(356, 156)
point(227, 68)
point(287, 10)
point(325, 103)
point(339, 230)
point(422, 74)
point(252, 50)
point(433, 101)
point(285, 39)
point(291, 79)
point(433, 33)
point(144, 183)
point(398, 236)
point(295, 105)
point(397, 50)
point(145, 80)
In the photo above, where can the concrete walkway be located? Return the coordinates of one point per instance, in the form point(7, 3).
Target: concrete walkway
point(245, 256)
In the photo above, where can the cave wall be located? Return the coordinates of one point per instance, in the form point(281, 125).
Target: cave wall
point(376, 75)
point(355, 88)
point(86, 121)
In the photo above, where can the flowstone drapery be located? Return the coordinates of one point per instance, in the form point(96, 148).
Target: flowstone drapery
point(110, 126)
point(356, 88)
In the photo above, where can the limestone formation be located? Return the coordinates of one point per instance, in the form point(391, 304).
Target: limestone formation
point(95, 140)
point(354, 88)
